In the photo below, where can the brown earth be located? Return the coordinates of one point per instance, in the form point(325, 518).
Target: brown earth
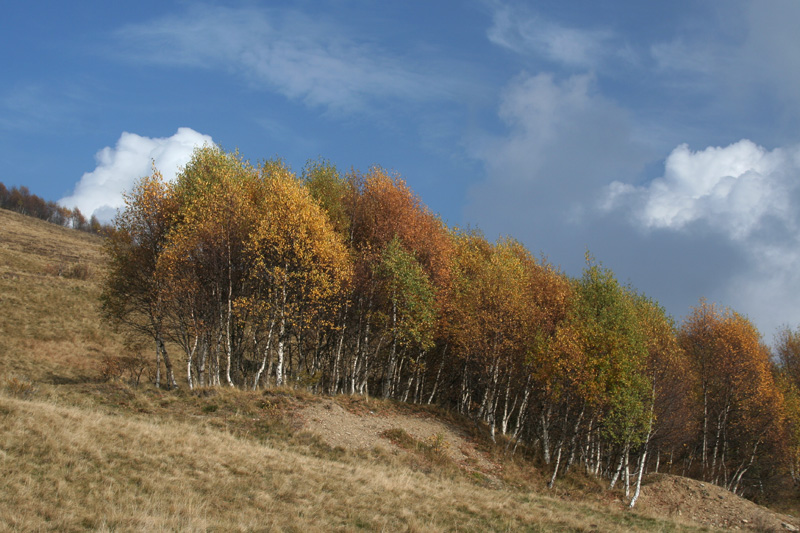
point(366, 429)
point(710, 505)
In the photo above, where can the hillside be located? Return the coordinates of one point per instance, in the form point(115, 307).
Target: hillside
point(84, 447)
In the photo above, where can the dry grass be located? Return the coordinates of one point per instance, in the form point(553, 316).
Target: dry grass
point(82, 448)
point(49, 325)
point(67, 468)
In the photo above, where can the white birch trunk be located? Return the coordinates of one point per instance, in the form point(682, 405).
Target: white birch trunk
point(266, 354)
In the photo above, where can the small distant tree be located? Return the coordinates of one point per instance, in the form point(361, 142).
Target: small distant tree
point(78, 221)
point(4, 195)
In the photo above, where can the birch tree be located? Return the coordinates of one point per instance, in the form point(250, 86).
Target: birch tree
point(301, 265)
point(741, 408)
point(133, 292)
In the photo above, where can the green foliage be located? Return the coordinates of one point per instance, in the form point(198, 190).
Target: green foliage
point(411, 294)
point(615, 354)
point(327, 187)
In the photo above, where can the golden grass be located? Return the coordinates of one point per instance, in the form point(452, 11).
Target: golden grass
point(49, 324)
point(67, 468)
point(80, 453)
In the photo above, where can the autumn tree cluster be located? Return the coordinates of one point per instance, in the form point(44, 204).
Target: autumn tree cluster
point(21, 200)
point(338, 283)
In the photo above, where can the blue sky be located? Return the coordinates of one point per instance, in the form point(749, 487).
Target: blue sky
point(663, 137)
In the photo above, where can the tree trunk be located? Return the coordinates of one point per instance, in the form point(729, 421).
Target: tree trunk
point(189, 358)
point(228, 323)
point(335, 374)
point(573, 445)
point(158, 366)
point(627, 472)
point(506, 411)
point(465, 396)
point(171, 384)
point(705, 428)
point(639, 475)
point(555, 469)
point(438, 374)
point(389, 379)
point(266, 353)
point(618, 470)
point(521, 413)
point(201, 362)
point(281, 338)
point(544, 419)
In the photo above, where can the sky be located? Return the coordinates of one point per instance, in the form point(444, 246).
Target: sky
point(661, 137)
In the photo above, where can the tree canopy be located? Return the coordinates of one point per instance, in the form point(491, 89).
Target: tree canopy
point(348, 283)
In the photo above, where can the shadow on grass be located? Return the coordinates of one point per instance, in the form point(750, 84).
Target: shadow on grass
point(52, 378)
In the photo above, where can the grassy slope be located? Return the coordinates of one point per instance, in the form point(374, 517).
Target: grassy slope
point(78, 453)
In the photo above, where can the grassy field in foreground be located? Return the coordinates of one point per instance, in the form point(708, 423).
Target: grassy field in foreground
point(68, 468)
point(81, 453)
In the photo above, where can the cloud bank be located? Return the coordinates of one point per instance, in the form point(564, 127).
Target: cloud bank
point(99, 192)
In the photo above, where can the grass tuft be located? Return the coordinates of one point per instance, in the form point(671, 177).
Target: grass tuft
point(20, 388)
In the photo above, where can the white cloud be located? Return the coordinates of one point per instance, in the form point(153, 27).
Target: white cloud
point(525, 32)
point(99, 192)
point(733, 189)
point(286, 52)
point(747, 196)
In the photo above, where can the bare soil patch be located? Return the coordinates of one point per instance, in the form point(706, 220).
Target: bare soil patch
point(689, 500)
point(364, 430)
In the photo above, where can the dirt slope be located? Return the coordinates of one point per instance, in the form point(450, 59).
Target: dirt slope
point(710, 505)
point(367, 429)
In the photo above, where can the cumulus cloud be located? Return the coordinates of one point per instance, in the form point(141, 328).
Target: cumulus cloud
point(99, 192)
point(747, 196)
point(732, 189)
point(287, 52)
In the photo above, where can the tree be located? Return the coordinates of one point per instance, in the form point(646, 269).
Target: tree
point(207, 248)
point(381, 210)
point(300, 264)
point(606, 366)
point(669, 419)
point(412, 312)
point(742, 411)
point(133, 294)
point(330, 190)
point(787, 347)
